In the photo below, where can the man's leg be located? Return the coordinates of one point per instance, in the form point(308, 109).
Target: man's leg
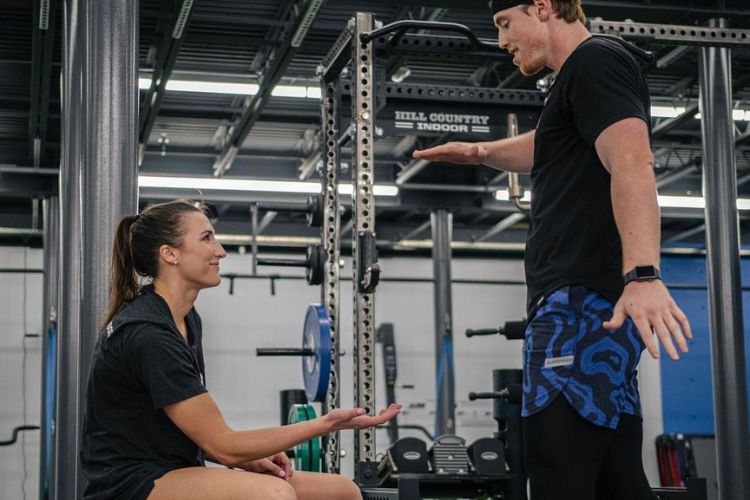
point(622, 476)
point(564, 453)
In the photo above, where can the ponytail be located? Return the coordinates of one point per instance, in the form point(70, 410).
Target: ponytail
point(124, 278)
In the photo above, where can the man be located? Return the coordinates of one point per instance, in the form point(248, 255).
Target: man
point(595, 299)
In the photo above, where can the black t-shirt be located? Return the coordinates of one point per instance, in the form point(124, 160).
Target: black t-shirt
point(141, 364)
point(572, 236)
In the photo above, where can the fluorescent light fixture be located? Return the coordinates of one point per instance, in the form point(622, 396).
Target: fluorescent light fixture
point(246, 89)
point(502, 195)
point(663, 200)
point(738, 115)
point(695, 202)
point(224, 184)
point(666, 111)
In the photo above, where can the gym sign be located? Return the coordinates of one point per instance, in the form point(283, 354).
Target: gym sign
point(442, 122)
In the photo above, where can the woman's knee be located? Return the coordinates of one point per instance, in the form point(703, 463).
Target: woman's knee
point(346, 489)
point(276, 488)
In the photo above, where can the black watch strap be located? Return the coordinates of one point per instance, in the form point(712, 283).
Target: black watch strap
point(642, 273)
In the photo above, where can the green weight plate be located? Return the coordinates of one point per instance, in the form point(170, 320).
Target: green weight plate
point(315, 456)
point(302, 452)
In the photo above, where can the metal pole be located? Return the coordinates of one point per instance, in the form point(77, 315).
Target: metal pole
point(723, 265)
point(363, 215)
point(98, 186)
point(331, 238)
point(47, 446)
point(442, 229)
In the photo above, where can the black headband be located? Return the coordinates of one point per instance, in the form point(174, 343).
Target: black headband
point(498, 5)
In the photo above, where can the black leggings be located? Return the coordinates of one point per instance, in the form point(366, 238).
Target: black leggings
point(569, 458)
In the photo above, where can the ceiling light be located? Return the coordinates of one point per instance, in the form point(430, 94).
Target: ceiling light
point(695, 202)
point(502, 195)
point(258, 185)
point(233, 88)
point(664, 201)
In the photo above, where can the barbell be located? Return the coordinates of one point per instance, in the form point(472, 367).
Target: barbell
point(315, 352)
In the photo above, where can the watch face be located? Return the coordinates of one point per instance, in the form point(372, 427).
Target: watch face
point(645, 272)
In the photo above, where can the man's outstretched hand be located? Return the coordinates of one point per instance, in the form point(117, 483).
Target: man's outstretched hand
point(653, 311)
point(454, 152)
point(355, 418)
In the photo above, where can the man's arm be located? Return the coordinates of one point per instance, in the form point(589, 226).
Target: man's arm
point(201, 420)
point(514, 154)
point(624, 150)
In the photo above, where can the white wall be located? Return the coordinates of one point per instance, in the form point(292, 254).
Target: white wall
point(14, 324)
point(247, 388)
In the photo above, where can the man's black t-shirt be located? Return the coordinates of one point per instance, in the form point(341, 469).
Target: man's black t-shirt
point(141, 364)
point(572, 237)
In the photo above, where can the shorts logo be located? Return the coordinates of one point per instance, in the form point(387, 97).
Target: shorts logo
point(561, 361)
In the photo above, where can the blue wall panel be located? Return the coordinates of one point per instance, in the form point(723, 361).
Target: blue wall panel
point(686, 384)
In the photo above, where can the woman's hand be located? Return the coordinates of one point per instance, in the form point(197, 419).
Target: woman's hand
point(355, 418)
point(275, 465)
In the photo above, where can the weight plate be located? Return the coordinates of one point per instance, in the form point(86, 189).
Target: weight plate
point(315, 265)
point(315, 456)
point(302, 452)
point(316, 369)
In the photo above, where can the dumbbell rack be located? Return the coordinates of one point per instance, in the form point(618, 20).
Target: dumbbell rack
point(418, 486)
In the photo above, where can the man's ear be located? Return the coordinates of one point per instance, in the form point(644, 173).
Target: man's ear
point(543, 9)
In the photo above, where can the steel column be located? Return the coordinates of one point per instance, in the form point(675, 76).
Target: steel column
point(442, 234)
point(51, 210)
point(98, 186)
point(363, 215)
point(723, 265)
point(332, 247)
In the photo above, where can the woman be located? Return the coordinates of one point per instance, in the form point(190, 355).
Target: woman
point(149, 421)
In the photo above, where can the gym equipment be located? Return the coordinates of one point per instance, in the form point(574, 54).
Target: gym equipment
point(16, 431)
point(513, 330)
point(307, 453)
point(512, 394)
point(449, 456)
point(406, 455)
point(506, 410)
point(384, 335)
point(289, 398)
point(695, 489)
point(313, 209)
point(315, 352)
point(314, 263)
point(487, 456)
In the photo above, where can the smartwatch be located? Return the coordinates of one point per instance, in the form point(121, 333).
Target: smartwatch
point(642, 273)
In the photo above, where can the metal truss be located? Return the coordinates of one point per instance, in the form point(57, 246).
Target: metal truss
point(673, 34)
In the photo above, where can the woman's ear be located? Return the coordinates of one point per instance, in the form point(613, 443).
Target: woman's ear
point(168, 255)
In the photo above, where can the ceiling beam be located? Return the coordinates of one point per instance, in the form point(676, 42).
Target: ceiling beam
point(171, 41)
point(501, 226)
point(45, 13)
point(277, 63)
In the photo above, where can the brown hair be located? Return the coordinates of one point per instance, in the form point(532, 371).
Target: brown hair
point(135, 252)
point(569, 10)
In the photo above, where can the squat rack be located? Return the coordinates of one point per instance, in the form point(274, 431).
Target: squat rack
point(361, 45)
